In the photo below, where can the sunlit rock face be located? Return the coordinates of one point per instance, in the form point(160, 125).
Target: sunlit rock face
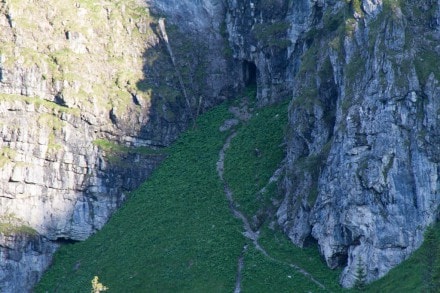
point(88, 99)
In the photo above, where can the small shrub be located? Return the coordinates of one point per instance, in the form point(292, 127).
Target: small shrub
point(97, 287)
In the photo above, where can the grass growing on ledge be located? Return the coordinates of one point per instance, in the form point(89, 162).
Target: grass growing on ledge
point(112, 147)
point(39, 102)
point(9, 229)
point(11, 225)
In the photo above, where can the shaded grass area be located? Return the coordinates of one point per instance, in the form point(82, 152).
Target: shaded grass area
point(115, 148)
point(307, 258)
point(175, 233)
point(264, 275)
point(254, 155)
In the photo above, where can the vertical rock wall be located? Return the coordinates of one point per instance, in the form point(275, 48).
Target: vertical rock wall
point(362, 165)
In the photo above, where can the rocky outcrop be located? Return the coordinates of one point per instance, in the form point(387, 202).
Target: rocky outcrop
point(362, 166)
point(26, 257)
point(258, 34)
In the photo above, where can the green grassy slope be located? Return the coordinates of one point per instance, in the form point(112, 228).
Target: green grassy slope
point(176, 232)
point(247, 172)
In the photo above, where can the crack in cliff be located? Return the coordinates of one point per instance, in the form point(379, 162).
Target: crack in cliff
point(164, 34)
point(249, 233)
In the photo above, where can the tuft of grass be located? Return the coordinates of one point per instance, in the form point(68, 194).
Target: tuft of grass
point(273, 35)
point(114, 148)
point(6, 155)
point(11, 225)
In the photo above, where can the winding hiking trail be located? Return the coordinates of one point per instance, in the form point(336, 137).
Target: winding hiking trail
point(242, 114)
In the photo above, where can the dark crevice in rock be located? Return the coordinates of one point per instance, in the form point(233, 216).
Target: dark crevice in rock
point(310, 241)
point(59, 99)
point(65, 240)
point(135, 100)
point(250, 73)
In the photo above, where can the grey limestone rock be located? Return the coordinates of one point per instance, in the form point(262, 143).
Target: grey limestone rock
point(371, 154)
point(88, 98)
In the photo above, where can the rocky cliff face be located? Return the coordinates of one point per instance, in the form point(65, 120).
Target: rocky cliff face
point(79, 130)
point(362, 156)
point(362, 162)
point(88, 99)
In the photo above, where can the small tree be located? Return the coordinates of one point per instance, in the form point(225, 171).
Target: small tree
point(98, 287)
point(360, 275)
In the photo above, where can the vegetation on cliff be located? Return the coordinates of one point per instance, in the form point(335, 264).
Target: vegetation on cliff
point(176, 232)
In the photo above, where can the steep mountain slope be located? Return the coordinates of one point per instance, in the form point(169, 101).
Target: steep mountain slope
point(160, 242)
point(207, 249)
point(360, 174)
point(88, 98)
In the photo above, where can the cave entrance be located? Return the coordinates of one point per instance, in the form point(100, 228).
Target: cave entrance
point(249, 73)
point(65, 240)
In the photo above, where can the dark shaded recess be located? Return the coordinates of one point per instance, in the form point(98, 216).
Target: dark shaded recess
point(342, 259)
point(328, 95)
point(249, 73)
point(64, 240)
point(310, 241)
point(135, 99)
point(113, 117)
point(59, 99)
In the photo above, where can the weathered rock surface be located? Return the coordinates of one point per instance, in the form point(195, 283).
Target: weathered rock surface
point(362, 155)
point(24, 253)
point(88, 99)
point(78, 130)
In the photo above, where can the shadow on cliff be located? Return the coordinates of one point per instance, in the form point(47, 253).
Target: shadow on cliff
point(176, 81)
